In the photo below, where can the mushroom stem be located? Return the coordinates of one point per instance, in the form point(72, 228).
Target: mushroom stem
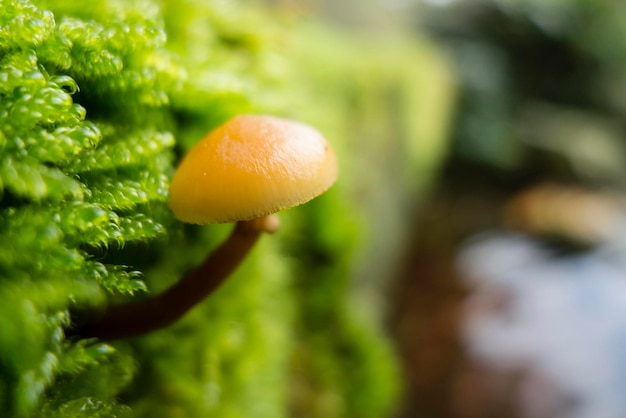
point(139, 317)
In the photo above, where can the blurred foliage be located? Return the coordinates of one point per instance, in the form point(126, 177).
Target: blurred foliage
point(97, 104)
point(543, 87)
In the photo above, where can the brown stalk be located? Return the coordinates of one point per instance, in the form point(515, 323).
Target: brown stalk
point(142, 316)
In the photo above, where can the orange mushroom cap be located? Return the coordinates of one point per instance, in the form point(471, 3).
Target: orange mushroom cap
point(250, 167)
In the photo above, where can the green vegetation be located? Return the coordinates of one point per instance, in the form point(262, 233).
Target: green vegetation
point(96, 105)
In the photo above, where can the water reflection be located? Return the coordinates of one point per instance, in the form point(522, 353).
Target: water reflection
point(554, 324)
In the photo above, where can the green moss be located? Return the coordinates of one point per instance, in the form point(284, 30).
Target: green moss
point(97, 104)
point(61, 204)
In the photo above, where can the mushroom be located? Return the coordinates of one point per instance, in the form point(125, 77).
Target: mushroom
point(244, 171)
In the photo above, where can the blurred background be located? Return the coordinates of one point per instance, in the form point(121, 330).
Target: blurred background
point(510, 301)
